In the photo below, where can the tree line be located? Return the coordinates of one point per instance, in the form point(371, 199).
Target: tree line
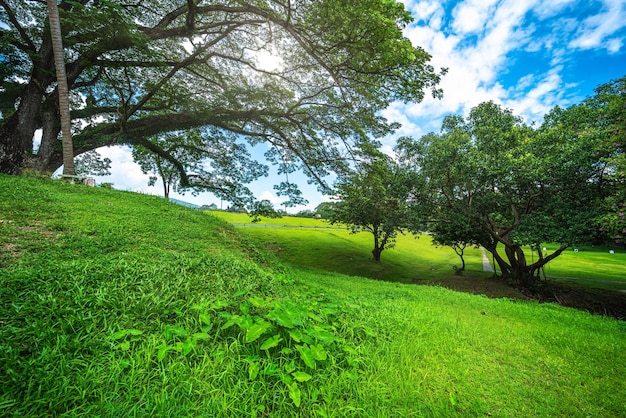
point(491, 180)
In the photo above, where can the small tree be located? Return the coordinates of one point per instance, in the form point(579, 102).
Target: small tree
point(379, 196)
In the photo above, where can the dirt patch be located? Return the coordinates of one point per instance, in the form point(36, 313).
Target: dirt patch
point(596, 301)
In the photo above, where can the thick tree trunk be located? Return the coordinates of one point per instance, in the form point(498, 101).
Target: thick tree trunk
point(16, 134)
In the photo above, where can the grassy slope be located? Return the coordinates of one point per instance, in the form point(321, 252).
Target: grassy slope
point(79, 265)
point(340, 251)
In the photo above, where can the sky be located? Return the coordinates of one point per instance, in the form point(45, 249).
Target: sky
point(526, 55)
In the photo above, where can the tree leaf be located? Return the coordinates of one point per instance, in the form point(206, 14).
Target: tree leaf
point(256, 330)
point(271, 342)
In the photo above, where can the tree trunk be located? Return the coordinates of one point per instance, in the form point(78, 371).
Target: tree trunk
point(16, 134)
point(459, 249)
point(376, 253)
point(64, 103)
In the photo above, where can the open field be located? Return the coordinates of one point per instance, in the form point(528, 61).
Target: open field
point(341, 251)
point(118, 304)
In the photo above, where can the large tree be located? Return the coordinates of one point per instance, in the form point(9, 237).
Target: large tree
point(506, 186)
point(139, 69)
point(378, 196)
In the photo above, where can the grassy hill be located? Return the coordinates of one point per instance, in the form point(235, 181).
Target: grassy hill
point(118, 304)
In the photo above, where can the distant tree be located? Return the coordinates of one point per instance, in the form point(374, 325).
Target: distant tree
point(325, 209)
point(212, 206)
point(306, 213)
point(378, 196)
point(92, 163)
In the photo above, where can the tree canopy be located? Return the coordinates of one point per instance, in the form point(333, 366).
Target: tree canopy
point(496, 182)
point(140, 69)
point(378, 196)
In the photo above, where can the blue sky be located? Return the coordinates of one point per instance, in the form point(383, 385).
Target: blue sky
point(527, 55)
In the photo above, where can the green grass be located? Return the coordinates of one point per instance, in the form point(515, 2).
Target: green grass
point(118, 304)
point(341, 251)
point(338, 250)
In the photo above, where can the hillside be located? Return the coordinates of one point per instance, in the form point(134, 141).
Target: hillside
point(119, 304)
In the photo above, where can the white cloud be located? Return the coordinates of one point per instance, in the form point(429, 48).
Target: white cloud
point(596, 29)
point(470, 16)
point(478, 45)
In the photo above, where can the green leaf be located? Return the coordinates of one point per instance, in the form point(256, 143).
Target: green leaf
point(200, 336)
point(286, 314)
point(295, 335)
point(119, 334)
point(271, 369)
point(241, 292)
point(306, 355)
point(295, 394)
point(271, 342)
point(319, 353)
point(253, 370)
point(174, 330)
point(256, 330)
point(322, 335)
point(257, 302)
point(232, 320)
point(124, 345)
point(245, 322)
point(205, 318)
point(124, 332)
point(219, 304)
point(162, 351)
point(188, 345)
point(244, 307)
point(301, 376)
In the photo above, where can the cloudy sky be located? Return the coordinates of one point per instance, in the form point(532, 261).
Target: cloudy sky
point(527, 55)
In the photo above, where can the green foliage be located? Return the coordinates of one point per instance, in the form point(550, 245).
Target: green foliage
point(380, 197)
point(91, 287)
point(339, 65)
point(496, 181)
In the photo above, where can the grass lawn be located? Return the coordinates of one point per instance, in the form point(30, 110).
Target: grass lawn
point(118, 304)
point(341, 251)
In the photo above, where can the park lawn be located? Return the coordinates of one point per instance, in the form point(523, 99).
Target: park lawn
point(339, 250)
point(417, 258)
point(120, 304)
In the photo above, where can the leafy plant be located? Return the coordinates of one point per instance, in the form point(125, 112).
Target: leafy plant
point(283, 338)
